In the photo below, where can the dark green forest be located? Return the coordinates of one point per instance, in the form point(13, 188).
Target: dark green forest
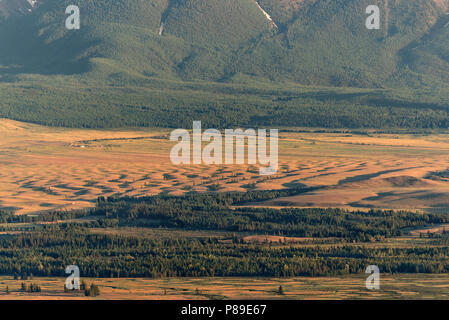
point(48, 253)
point(341, 242)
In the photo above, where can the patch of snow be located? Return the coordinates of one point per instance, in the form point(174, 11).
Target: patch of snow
point(161, 29)
point(266, 15)
point(32, 3)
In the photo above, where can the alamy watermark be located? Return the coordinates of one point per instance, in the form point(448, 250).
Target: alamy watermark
point(72, 282)
point(373, 20)
point(188, 150)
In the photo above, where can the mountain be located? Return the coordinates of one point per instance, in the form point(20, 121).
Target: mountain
point(218, 53)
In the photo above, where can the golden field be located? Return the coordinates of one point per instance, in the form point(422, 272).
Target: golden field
point(404, 286)
point(45, 168)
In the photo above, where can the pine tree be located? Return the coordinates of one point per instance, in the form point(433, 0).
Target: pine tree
point(95, 290)
point(281, 290)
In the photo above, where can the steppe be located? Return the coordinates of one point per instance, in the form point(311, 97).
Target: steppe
point(403, 286)
point(43, 168)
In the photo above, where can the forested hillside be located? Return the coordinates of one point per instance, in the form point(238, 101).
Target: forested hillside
point(164, 62)
point(201, 236)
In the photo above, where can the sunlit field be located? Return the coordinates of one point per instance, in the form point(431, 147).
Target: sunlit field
point(405, 286)
point(45, 168)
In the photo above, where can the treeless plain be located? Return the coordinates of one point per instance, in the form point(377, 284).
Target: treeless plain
point(44, 168)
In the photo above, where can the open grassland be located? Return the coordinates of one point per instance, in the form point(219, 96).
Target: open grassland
point(404, 286)
point(45, 168)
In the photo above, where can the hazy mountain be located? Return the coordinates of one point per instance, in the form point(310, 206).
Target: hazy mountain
point(320, 42)
point(308, 42)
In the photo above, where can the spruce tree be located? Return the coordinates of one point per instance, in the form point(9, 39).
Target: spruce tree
point(281, 290)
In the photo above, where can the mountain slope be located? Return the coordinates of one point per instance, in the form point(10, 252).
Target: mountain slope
point(430, 55)
point(326, 43)
point(222, 56)
point(319, 42)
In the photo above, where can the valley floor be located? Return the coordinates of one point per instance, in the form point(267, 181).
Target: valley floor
point(45, 168)
point(403, 286)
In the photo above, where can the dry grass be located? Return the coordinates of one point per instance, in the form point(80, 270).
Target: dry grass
point(49, 168)
point(405, 286)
